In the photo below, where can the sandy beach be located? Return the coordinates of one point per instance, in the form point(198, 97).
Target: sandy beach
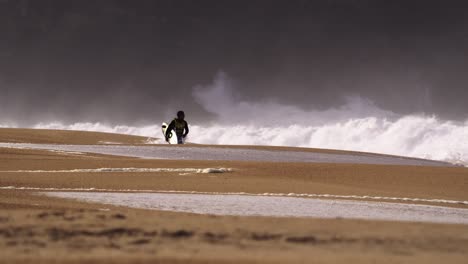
point(43, 229)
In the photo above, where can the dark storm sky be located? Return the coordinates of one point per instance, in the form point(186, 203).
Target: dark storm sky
point(129, 61)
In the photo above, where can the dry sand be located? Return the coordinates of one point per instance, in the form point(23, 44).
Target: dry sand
point(37, 228)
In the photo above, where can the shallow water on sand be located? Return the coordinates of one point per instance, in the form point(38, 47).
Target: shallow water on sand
point(226, 153)
point(247, 205)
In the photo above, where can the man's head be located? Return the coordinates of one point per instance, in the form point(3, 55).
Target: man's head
point(181, 115)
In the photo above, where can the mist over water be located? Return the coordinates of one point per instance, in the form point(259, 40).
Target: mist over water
point(223, 101)
point(356, 125)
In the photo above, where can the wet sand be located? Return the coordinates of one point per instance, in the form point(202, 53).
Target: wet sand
point(40, 228)
point(49, 136)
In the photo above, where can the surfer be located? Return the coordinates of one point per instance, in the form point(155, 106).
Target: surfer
point(180, 126)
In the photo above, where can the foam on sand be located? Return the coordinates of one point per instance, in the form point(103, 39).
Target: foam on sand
point(246, 205)
point(183, 170)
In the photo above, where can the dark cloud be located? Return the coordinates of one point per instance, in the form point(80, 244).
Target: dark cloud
point(136, 61)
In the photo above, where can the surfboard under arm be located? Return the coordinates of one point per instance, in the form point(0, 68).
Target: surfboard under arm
point(173, 138)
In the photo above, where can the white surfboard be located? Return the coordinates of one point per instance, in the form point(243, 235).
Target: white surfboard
point(172, 138)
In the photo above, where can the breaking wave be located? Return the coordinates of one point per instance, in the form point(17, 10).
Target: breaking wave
point(422, 137)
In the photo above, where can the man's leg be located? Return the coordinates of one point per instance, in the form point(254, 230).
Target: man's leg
point(180, 139)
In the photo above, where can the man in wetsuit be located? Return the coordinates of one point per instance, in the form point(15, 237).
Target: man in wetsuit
point(180, 126)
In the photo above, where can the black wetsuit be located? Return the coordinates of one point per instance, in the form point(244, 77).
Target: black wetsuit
point(181, 129)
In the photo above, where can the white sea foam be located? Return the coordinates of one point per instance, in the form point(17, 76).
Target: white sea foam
point(182, 170)
point(66, 152)
point(248, 205)
point(109, 143)
point(303, 195)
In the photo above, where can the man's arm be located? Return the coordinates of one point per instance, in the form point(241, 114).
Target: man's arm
point(186, 129)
